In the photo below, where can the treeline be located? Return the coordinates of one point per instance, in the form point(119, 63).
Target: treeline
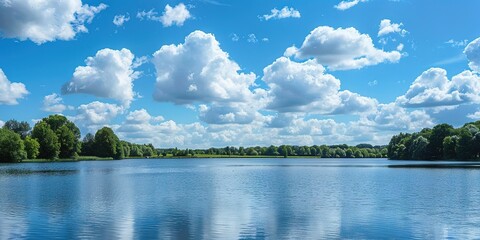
point(56, 137)
point(323, 151)
point(442, 142)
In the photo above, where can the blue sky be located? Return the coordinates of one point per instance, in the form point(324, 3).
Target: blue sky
point(216, 72)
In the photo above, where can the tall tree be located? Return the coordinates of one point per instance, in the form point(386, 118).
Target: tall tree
point(435, 146)
point(11, 146)
point(68, 134)
point(21, 128)
point(449, 144)
point(69, 145)
point(107, 144)
point(419, 148)
point(88, 145)
point(32, 147)
point(48, 140)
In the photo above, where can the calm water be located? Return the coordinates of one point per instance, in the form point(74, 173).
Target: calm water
point(239, 199)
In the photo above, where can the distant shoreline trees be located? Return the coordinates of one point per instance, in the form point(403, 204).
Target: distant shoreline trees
point(442, 142)
point(319, 151)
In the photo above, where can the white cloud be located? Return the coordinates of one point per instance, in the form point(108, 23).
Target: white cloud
point(387, 27)
point(305, 87)
point(342, 49)
point(433, 88)
point(175, 16)
point(119, 20)
point(199, 71)
point(474, 116)
point(265, 39)
point(344, 5)
point(455, 43)
point(95, 115)
point(473, 54)
point(238, 113)
point(140, 127)
point(285, 12)
point(252, 38)
point(2, 123)
point(109, 74)
point(54, 103)
point(171, 16)
point(10, 92)
point(45, 20)
point(400, 47)
point(141, 116)
point(391, 117)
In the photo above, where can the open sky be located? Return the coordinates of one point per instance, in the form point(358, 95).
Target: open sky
point(204, 73)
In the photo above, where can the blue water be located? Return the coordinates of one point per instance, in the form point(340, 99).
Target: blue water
point(239, 199)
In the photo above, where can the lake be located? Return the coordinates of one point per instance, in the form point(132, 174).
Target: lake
point(240, 199)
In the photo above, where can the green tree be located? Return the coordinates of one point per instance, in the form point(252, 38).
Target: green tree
point(68, 143)
point(435, 146)
point(107, 144)
point(349, 153)
point(11, 146)
point(464, 144)
point(419, 147)
point(68, 135)
point(136, 151)
point(48, 140)
point(88, 145)
point(147, 151)
point(32, 147)
point(21, 128)
point(449, 144)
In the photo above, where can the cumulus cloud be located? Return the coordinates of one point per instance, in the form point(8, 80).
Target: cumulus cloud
point(119, 20)
point(2, 123)
point(474, 116)
point(95, 115)
point(171, 16)
point(141, 127)
point(199, 71)
point(392, 117)
point(387, 27)
point(109, 74)
point(473, 54)
point(285, 12)
point(237, 113)
point(45, 20)
point(342, 49)
point(54, 103)
point(433, 88)
point(305, 87)
point(344, 5)
point(141, 116)
point(10, 92)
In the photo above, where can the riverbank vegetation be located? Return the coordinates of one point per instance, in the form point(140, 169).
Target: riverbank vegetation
point(442, 142)
point(323, 151)
point(56, 138)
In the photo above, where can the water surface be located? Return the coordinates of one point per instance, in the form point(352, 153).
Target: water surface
point(240, 199)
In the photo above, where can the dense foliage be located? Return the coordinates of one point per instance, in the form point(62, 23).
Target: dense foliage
point(56, 137)
point(323, 151)
point(11, 146)
point(441, 142)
